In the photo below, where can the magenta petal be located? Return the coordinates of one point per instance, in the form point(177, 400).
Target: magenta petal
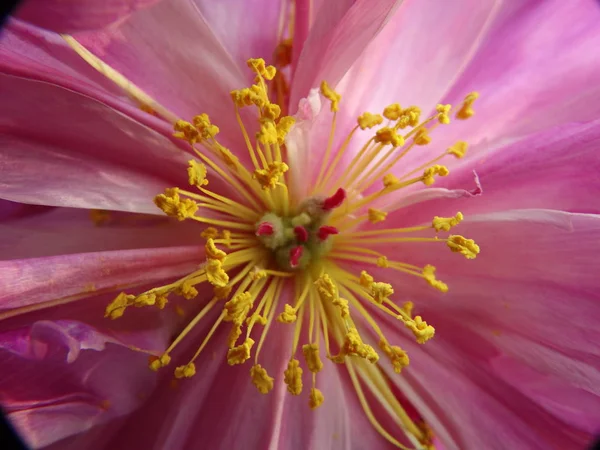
point(65, 378)
point(77, 15)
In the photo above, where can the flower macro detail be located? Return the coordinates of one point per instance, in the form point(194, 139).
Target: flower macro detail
point(264, 239)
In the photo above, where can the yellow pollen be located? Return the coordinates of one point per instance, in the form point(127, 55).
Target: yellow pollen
point(288, 315)
point(187, 290)
point(172, 205)
point(376, 216)
point(422, 137)
point(407, 308)
point(466, 247)
point(428, 174)
point(187, 371)
point(315, 399)
point(366, 280)
point(268, 178)
point(390, 180)
point(429, 275)
point(238, 307)
point(212, 252)
point(445, 223)
point(368, 120)
point(388, 135)
point(354, 346)
point(283, 128)
point(326, 288)
point(259, 67)
point(311, 356)
point(392, 112)
point(397, 356)
point(381, 291)
point(443, 111)
point(222, 292)
point(186, 131)
point(383, 262)
point(117, 307)
point(204, 126)
point(197, 173)
point(420, 329)
point(215, 273)
point(331, 95)
point(159, 362)
point(409, 118)
point(459, 149)
point(210, 232)
point(293, 377)
point(466, 109)
point(342, 305)
point(261, 379)
point(241, 353)
point(271, 111)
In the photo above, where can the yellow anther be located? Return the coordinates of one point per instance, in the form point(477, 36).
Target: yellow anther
point(466, 247)
point(315, 398)
point(354, 346)
point(459, 149)
point(234, 334)
point(242, 97)
point(390, 180)
point(228, 158)
point(256, 318)
point(331, 95)
point(311, 356)
point(428, 174)
point(196, 173)
point(429, 275)
point(288, 315)
point(293, 377)
point(173, 206)
point(117, 307)
point(366, 280)
point(443, 111)
point(445, 223)
point(203, 125)
point(392, 112)
point(368, 120)
point(187, 290)
point(144, 300)
point(268, 133)
point(261, 379)
point(466, 109)
point(157, 362)
point(326, 288)
point(257, 274)
point(238, 308)
point(186, 131)
point(222, 292)
point(388, 135)
point(422, 137)
point(268, 178)
point(420, 329)
point(342, 304)
point(375, 215)
point(407, 307)
point(398, 357)
point(381, 291)
point(241, 353)
point(161, 301)
point(409, 117)
point(259, 67)
point(227, 238)
point(215, 273)
point(271, 111)
point(210, 233)
point(212, 252)
point(283, 53)
point(258, 96)
point(283, 128)
point(187, 371)
point(383, 262)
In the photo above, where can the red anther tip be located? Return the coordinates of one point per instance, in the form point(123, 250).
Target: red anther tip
point(295, 255)
point(325, 231)
point(301, 233)
point(265, 229)
point(335, 200)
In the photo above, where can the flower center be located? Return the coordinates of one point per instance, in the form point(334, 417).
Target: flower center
point(260, 241)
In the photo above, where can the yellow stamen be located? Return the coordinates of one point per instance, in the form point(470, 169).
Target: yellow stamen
point(293, 377)
point(261, 379)
point(445, 223)
point(331, 95)
point(466, 109)
point(466, 247)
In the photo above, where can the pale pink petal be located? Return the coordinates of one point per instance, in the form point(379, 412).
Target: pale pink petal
point(64, 231)
point(65, 377)
point(76, 15)
point(531, 77)
point(247, 29)
point(340, 33)
point(90, 155)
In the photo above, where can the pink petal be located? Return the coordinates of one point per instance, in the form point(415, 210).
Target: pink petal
point(76, 15)
point(341, 31)
point(247, 29)
point(91, 155)
point(529, 76)
point(65, 378)
point(64, 231)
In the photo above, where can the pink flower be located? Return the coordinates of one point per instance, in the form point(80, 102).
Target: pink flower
point(357, 238)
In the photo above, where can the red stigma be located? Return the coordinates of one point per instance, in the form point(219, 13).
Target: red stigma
point(295, 255)
point(335, 200)
point(301, 233)
point(325, 231)
point(265, 229)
